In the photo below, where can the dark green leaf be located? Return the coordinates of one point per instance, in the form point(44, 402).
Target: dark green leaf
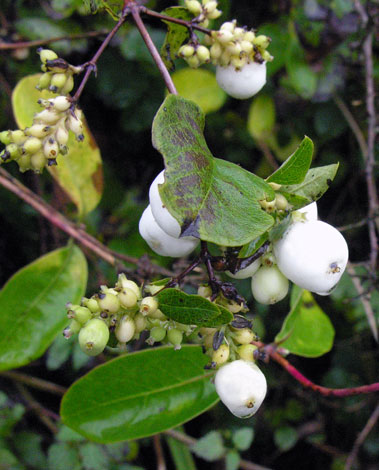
point(191, 309)
point(146, 392)
point(210, 447)
point(261, 118)
point(180, 454)
point(212, 199)
point(176, 34)
point(93, 457)
point(232, 460)
point(243, 437)
point(59, 352)
point(250, 248)
point(224, 318)
point(294, 169)
point(285, 438)
point(9, 416)
point(32, 304)
point(310, 331)
point(315, 184)
point(277, 232)
point(61, 456)
point(28, 446)
point(8, 461)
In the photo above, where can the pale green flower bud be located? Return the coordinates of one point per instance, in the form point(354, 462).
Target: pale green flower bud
point(93, 337)
point(125, 329)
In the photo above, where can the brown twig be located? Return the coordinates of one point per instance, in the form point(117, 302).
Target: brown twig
point(5, 46)
point(135, 11)
point(190, 441)
point(272, 352)
point(34, 382)
point(361, 438)
point(161, 463)
point(188, 24)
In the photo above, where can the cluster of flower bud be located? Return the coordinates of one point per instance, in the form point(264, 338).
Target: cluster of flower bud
point(57, 74)
point(310, 253)
point(39, 145)
point(203, 11)
point(122, 311)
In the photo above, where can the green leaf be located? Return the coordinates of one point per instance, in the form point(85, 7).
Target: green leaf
point(32, 304)
point(232, 460)
point(28, 447)
point(112, 7)
point(212, 199)
point(62, 456)
point(176, 34)
point(250, 248)
point(79, 173)
point(285, 438)
point(8, 461)
point(243, 437)
point(146, 393)
point(310, 331)
point(315, 183)
point(180, 454)
point(9, 416)
point(206, 94)
point(261, 117)
point(210, 447)
point(92, 456)
point(295, 168)
point(191, 309)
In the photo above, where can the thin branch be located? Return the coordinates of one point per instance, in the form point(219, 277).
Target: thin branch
point(188, 24)
point(4, 46)
point(268, 155)
point(78, 233)
point(41, 412)
point(135, 11)
point(362, 437)
point(91, 65)
point(271, 351)
point(34, 382)
point(161, 463)
point(190, 441)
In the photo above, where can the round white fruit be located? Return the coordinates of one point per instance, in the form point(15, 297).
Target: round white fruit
point(164, 219)
point(162, 243)
point(269, 285)
point(242, 387)
point(244, 273)
point(244, 83)
point(310, 211)
point(312, 255)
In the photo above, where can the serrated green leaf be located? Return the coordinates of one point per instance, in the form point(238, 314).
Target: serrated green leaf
point(176, 34)
point(192, 309)
point(146, 392)
point(261, 117)
point(210, 447)
point(206, 94)
point(294, 169)
point(32, 304)
point(79, 173)
point(315, 183)
point(212, 199)
point(310, 331)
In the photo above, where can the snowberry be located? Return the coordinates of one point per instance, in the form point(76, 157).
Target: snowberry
point(269, 285)
point(127, 298)
point(310, 211)
point(312, 255)
point(162, 243)
point(125, 329)
point(93, 337)
point(162, 216)
point(244, 83)
point(244, 273)
point(242, 387)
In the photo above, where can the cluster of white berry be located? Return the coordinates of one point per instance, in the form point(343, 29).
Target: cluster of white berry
point(39, 145)
point(160, 229)
point(203, 11)
point(123, 311)
point(239, 55)
point(311, 253)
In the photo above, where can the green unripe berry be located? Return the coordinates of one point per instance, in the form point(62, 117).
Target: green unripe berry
point(221, 355)
point(75, 326)
point(92, 304)
point(203, 54)
point(13, 150)
point(246, 352)
point(262, 41)
point(123, 282)
point(61, 136)
point(37, 162)
point(175, 336)
point(148, 305)
point(204, 291)
point(47, 116)
point(32, 145)
point(127, 298)
point(208, 340)
point(44, 81)
point(158, 334)
point(244, 336)
point(267, 57)
point(5, 137)
point(216, 51)
point(93, 337)
point(51, 148)
point(125, 329)
point(24, 163)
point(82, 315)
point(69, 85)
point(58, 81)
point(60, 103)
point(47, 54)
point(193, 62)
point(18, 136)
point(194, 7)
point(249, 36)
point(38, 130)
point(214, 14)
point(281, 202)
point(158, 315)
point(228, 26)
point(109, 302)
point(140, 322)
point(234, 306)
point(224, 36)
point(186, 51)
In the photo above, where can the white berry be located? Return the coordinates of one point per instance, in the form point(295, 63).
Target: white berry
point(242, 387)
point(164, 219)
point(244, 273)
point(162, 243)
point(312, 255)
point(243, 83)
point(310, 211)
point(269, 285)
